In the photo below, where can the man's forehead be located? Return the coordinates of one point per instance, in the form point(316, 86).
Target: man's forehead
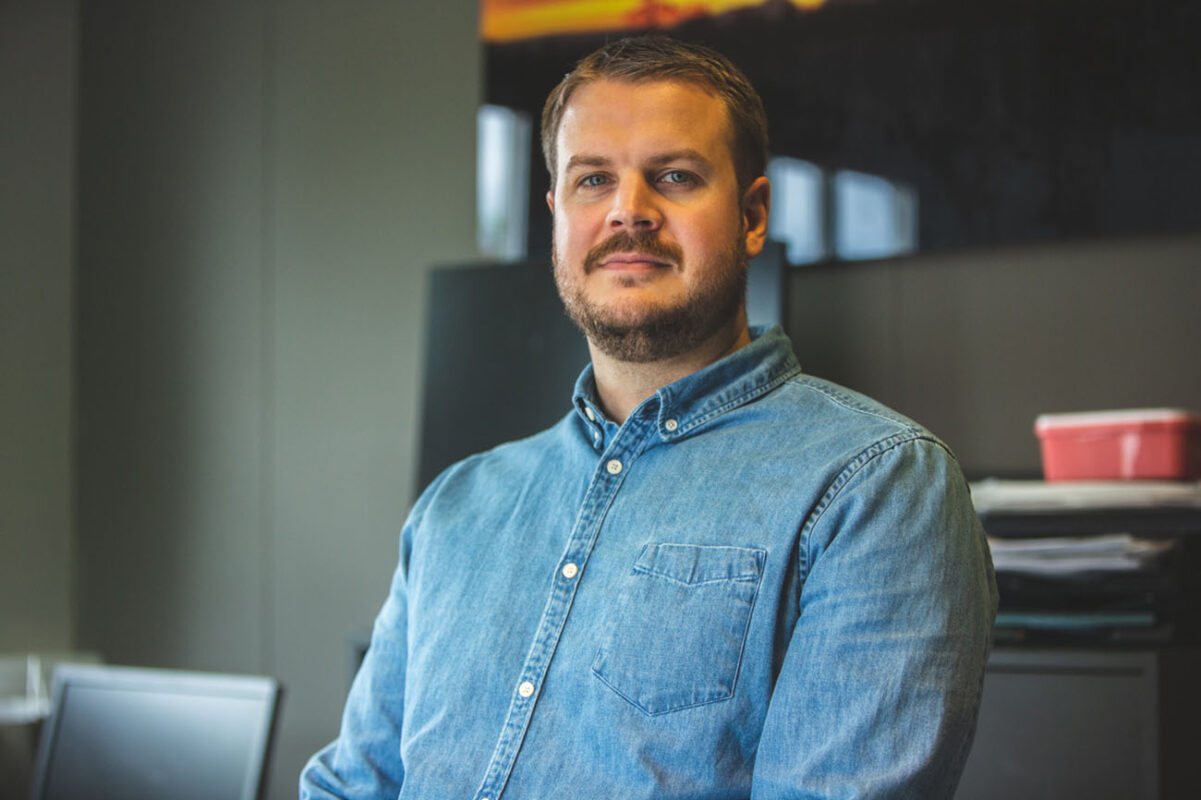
point(642, 89)
point(605, 105)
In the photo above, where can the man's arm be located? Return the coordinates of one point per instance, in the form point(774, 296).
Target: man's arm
point(364, 762)
point(879, 690)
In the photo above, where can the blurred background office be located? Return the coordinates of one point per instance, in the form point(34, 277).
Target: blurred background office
point(216, 226)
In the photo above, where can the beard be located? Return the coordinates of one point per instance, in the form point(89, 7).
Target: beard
point(659, 332)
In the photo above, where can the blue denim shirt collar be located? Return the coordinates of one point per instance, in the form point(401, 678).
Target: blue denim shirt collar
point(687, 404)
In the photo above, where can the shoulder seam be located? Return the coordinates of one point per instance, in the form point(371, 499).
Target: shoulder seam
point(849, 403)
point(856, 465)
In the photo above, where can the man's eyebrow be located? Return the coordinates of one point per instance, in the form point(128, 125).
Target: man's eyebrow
point(575, 162)
point(687, 154)
point(671, 157)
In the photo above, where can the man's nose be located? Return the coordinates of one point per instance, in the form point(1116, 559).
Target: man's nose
point(634, 207)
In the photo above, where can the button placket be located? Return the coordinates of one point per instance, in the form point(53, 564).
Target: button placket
point(580, 545)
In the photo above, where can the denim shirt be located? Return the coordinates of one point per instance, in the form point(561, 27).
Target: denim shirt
point(759, 585)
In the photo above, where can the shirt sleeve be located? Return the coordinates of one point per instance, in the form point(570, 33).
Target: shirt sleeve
point(365, 760)
point(880, 686)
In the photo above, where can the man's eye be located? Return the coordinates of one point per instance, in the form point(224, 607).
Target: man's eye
point(676, 177)
point(592, 181)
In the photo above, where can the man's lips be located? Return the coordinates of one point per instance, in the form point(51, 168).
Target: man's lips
point(632, 261)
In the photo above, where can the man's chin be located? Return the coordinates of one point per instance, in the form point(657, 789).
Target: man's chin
point(634, 316)
point(642, 337)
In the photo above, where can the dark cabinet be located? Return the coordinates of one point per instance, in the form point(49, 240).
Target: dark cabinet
point(1099, 714)
point(1096, 724)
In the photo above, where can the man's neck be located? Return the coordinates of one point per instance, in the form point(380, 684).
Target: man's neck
point(622, 385)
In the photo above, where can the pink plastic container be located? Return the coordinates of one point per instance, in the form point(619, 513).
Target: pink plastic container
point(1143, 443)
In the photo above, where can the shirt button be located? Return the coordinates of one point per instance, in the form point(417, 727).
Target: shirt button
point(570, 570)
point(588, 413)
point(525, 689)
point(671, 425)
point(614, 466)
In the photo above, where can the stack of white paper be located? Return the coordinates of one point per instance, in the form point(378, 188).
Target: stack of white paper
point(1115, 552)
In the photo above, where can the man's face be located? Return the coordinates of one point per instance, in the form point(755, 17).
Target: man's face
point(651, 235)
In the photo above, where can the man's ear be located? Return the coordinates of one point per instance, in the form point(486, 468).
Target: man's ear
point(550, 200)
point(756, 206)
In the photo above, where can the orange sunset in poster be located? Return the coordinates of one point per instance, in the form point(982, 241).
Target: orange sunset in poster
point(505, 20)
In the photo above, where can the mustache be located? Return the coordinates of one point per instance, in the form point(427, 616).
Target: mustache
point(645, 242)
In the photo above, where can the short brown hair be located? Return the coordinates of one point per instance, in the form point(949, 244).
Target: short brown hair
point(660, 58)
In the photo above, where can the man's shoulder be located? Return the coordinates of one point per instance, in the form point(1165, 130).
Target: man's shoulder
point(818, 407)
point(837, 431)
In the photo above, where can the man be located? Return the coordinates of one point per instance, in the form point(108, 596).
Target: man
point(716, 577)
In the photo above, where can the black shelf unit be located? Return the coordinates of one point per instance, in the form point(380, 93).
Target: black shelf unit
point(1115, 714)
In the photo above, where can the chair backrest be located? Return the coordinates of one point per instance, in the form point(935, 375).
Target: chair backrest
point(152, 734)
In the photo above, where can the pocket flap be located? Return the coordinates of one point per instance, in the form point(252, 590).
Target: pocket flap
point(695, 564)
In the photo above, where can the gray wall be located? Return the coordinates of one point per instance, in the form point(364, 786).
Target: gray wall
point(37, 140)
point(976, 344)
point(262, 186)
point(374, 181)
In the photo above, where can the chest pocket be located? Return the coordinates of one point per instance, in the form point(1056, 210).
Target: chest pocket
point(677, 637)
